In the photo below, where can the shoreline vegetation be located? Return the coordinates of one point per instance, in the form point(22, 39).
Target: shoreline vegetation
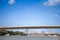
point(4, 32)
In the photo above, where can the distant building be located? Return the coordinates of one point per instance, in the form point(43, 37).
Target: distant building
point(42, 34)
point(35, 34)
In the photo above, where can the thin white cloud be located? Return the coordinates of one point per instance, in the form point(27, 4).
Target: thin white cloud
point(56, 15)
point(51, 2)
point(11, 2)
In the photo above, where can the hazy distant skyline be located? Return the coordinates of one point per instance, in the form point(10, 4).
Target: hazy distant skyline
point(29, 12)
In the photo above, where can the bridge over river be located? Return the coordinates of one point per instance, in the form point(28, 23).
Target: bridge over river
point(18, 37)
point(27, 27)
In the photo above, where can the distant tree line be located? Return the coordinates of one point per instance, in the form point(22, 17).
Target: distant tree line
point(4, 32)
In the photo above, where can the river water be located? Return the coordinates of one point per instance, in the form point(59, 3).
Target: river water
point(29, 38)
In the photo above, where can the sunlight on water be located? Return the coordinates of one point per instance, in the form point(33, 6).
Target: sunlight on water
point(29, 38)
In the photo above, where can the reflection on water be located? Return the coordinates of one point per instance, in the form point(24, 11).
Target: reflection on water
point(29, 38)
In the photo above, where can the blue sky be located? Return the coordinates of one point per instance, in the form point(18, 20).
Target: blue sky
point(29, 12)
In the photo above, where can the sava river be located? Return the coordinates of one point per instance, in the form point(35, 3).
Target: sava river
point(29, 38)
